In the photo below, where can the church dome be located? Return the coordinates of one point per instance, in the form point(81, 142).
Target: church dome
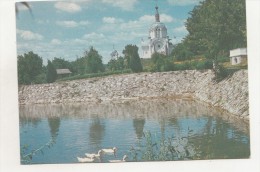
point(158, 30)
point(157, 25)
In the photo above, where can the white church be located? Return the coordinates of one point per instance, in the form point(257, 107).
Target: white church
point(158, 40)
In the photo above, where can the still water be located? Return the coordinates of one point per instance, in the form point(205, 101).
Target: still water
point(61, 133)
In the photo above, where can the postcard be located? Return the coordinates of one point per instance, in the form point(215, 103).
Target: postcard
point(111, 83)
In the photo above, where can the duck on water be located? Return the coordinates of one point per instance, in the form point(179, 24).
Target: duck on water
point(93, 157)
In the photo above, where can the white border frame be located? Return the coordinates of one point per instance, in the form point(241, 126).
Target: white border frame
point(9, 121)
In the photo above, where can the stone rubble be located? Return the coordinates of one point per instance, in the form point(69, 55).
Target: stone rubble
point(230, 94)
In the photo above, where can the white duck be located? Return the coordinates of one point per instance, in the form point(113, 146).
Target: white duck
point(86, 159)
point(110, 151)
point(123, 160)
point(93, 155)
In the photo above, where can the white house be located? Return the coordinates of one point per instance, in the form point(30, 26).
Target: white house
point(238, 56)
point(158, 40)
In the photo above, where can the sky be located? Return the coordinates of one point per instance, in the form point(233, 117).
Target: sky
point(66, 29)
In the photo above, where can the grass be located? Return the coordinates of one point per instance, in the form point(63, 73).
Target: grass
point(238, 66)
point(93, 75)
point(194, 64)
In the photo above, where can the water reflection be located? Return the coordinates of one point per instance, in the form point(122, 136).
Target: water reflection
point(80, 128)
point(146, 109)
point(139, 127)
point(96, 132)
point(54, 124)
point(29, 121)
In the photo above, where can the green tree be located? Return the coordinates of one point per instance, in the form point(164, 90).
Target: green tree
point(60, 63)
point(181, 52)
point(93, 61)
point(132, 58)
point(51, 75)
point(116, 64)
point(112, 65)
point(161, 63)
point(79, 66)
point(216, 26)
point(29, 68)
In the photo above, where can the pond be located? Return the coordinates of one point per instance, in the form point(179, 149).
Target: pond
point(145, 130)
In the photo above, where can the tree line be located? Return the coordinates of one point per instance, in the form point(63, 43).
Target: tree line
point(32, 71)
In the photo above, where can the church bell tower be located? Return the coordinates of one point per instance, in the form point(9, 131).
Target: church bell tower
point(158, 40)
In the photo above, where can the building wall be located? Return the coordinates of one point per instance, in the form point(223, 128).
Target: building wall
point(238, 56)
point(238, 59)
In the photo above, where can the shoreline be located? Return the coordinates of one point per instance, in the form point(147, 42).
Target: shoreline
point(230, 94)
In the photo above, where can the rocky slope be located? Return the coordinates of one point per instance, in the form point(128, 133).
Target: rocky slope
point(230, 94)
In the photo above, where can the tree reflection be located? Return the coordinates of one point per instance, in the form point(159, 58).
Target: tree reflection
point(54, 124)
point(173, 122)
point(138, 124)
point(219, 140)
point(26, 121)
point(162, 126)
point(97, 131)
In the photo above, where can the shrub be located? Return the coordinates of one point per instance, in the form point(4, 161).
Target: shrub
point(161, 63)
point(220, 73)
point(207, 64)
point(182, 66)
point(223, 59)
point(163, 149)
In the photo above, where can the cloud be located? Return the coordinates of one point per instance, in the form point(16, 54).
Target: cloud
point(112, 20)
point(126, 5)
point(79, 41)
point(92, 39)
point(68, 7)
point(84, 23)
point(72, 23)
point(55, 42)
point(126, 36)
point(94, 36)
point(179, 33)
point(181, 29)
point(29, 35)
point(43, 21)
point(130, 30)
point(183, 2)
point(147, 18)
point(144, 22)
point(164, 18)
